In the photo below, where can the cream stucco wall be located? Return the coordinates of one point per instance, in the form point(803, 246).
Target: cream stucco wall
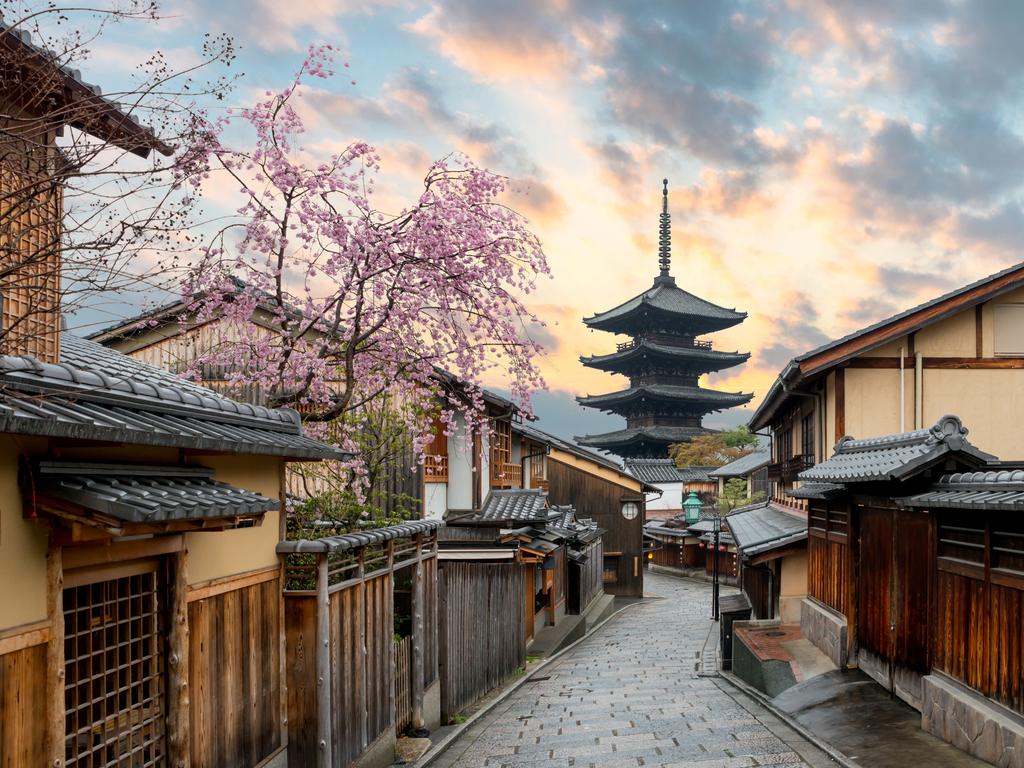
point(873, 399)
point(23, 545)
point(955, 336)
point(460, 467)
point(792, 586)
point(989, 402)
point(214, 554)
point(435, 500)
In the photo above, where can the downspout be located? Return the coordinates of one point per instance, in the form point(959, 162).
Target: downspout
point(918, 391)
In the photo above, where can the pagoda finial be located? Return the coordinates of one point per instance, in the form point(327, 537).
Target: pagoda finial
point(664, 233)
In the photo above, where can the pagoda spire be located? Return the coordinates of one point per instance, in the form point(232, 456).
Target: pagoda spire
point(664, 233)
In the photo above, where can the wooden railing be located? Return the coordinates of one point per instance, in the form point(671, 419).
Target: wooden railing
point(435, 469)
point(785, 471)
point(506, 475)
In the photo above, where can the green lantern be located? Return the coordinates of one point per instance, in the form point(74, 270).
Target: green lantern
point(692, 506)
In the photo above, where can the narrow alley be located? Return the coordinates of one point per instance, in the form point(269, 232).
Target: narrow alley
point(631, 694)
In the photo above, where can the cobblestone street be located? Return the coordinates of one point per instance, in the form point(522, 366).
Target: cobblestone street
point(631, 695)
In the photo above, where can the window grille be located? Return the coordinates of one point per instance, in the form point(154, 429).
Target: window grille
point(114, 667)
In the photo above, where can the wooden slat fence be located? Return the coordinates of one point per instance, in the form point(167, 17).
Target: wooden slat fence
point(403, 683)
point(23, 706)
point(587, 579)
point(482, 629)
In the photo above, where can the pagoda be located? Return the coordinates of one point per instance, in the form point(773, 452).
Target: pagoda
point(664, 403)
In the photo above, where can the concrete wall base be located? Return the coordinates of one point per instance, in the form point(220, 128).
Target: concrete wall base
point(972, 723)
point(432, 705)
point(826, 629)
point(380, 753)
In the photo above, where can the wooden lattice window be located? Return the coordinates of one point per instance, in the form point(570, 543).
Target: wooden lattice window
point(962, 544)
point(435, 463)
point(807, 436)
point(503, 472)
point(30, 232)
point(114, 672)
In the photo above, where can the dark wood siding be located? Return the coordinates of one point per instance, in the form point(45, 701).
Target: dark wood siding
point(829, 561)
point(585, 579)
point(875, 610)
point(482, 629)
point(22, 707)
point(601, 500)
point(234, 676)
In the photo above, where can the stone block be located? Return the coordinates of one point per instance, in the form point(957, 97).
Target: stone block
point(826, 629)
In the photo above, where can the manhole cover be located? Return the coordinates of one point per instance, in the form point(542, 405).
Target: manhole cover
point(775, 633)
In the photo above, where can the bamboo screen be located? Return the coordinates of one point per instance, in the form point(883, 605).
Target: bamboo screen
point(30, 265)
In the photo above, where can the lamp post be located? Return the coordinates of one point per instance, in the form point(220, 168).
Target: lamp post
point(714, 577)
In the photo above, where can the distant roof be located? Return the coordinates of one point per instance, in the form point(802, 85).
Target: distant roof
point(147, 494)
point(662, 471)
point(623, 437)
point(665, 297)
point(744, 465)
point(520, 504)
point(764, 527)
point(829, 355)
point(983, 490)
point(820, 491)
point(705, 399)
point(95, 393)
point(698, 358)
point(896, 457)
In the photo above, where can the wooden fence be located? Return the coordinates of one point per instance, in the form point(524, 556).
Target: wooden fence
point(342, 693)
point(482, 629)
point(403, 684)
point(585, 579)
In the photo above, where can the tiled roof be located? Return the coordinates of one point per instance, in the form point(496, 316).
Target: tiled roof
point(95, 393)
point(661, 434)
point(653, 470)
point(678, 394)
point(820, 491)
point(743, 466)
point(895, 457)
point(348, 541)
point(765, 527)
point(147, 494)
point(988, 490)
point(565, 521)
point(698, 358)
point(521, 504)
point(667, 297)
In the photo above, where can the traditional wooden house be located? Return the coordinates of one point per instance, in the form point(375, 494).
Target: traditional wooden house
point(752, 469)
point(676, 546)
point(916, 575)
point(141, 619)
point(953, 354)
point(672, 485)
point(604, 492)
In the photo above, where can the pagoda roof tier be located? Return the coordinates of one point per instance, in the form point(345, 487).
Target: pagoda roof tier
point(664, 306)
point(692, 358)
point(698, 398)
point(632, 441)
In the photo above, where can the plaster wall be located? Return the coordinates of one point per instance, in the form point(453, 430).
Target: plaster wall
point(671, 498)
point(872, 401)
point(215, 554)
point(955, 336)
point(435, 500)
point(792, 586)
point(23, 545)
point(460, 467)
point(989, 402)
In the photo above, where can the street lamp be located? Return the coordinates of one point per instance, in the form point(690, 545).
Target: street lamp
point(714, 578)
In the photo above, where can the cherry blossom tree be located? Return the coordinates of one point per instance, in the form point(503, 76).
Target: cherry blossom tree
point(365, 304)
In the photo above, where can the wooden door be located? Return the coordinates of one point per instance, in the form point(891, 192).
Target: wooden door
point(530, 593)
point(875, 603)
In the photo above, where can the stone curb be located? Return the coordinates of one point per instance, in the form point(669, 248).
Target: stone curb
point(442, 746)
point(788, 719)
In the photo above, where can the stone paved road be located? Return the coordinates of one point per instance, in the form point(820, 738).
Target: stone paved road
point(630, 695)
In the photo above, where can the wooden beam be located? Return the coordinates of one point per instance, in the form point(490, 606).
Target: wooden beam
point(55, 714)
point(79, 557)
point(979, 333)
point(323, 666)
point(179, 726)
point(24, 636)
point(941, 363)
point(418, 630)
point(840, 404)
point(219, 586)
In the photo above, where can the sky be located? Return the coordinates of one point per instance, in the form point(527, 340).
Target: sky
point(829, 163)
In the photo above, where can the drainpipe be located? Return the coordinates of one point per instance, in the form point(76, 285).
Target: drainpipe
point(918, 391)
point(903, 397)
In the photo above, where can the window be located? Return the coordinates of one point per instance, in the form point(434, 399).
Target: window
point(785, 444)
point(1008, 329)
point(807, 436)
point(630, 510)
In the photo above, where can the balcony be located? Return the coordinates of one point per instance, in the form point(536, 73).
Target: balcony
point(787, 471)
point(506, 475)
point(435, 469)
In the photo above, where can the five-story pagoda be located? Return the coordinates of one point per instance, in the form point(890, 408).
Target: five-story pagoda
point(664, 403)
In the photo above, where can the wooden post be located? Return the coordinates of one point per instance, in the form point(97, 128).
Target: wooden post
point(179, 728)
point(282, 631)
point(323, 665)
point(55, 715)
point(418, 631)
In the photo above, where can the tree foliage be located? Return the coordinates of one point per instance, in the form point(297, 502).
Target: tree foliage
point(714, 449)
point(734, 494)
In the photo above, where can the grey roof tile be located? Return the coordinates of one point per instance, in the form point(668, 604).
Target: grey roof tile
point(95, 393)
point(983, 490)
point(667, 297)
point(743, 466)
point(347, 541)
point(521, 504)
point(765, 526)
point(147, 494)
point(696, 395)
point(608, 440)
point(895, 457)
point(699, 357)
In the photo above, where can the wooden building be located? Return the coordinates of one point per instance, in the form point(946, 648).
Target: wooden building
point(664, 360)
point(601, 490)
point(672, 485)
point(752, 469)
point(916, 575)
